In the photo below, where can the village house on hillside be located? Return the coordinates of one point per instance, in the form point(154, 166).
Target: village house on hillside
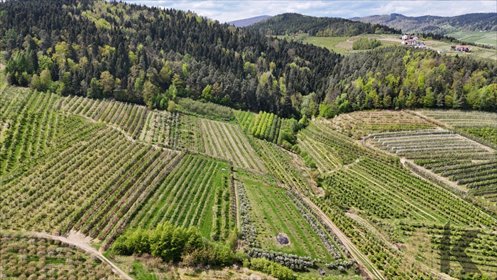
point(412, 40)
point(461, 48)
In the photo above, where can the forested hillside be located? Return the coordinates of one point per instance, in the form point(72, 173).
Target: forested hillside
point(248, 21)
point(152, 56)
point(407, 78)
point(317, 26)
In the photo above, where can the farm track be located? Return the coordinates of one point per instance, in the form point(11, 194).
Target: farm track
point(425, 174)
point(364, 263)
point(371, 228)
point(82, 242)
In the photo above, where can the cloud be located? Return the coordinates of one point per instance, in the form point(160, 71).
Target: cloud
point(227, 10)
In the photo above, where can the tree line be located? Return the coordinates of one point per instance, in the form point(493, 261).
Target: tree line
point(153, 56)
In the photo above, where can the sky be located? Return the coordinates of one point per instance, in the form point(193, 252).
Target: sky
point(228, 10)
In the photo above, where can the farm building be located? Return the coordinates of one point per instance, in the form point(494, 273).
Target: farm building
point(461, 48)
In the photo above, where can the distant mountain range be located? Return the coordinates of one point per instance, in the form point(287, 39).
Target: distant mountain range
point(248, 21)
point(436, 24)
point(291, 23)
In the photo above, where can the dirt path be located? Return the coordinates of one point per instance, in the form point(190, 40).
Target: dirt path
point(426, 175)
point(370, 227)
point(365, 264)
point(83, 242)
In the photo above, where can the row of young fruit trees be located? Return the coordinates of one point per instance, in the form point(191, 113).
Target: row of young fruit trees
point(102, 180)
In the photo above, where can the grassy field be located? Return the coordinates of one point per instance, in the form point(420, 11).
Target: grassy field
point(273, 213)
point(343, 45)
point(485, 38)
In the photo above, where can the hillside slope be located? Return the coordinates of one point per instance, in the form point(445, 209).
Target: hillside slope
point(152, 56)
point(290, 23)
point(249, 21)
point(436, 24)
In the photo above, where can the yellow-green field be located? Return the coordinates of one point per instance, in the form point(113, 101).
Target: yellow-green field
point(485, 38)
point(343, 45)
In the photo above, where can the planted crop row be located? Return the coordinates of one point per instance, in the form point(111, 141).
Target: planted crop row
point(227, 141)
point(264, 125)
point(56, 193)
point(35, 130)
point(224, 218)
point(389, 192)
point(459, 119)
point(161, 128)
point(359, 124)
point(450, 155)
point(475, 250)
point(189, 134)
point(25, 257)
point(106, 215)
point(280, 163)
point(128, 117)
point(391, 263)
point(187, 197)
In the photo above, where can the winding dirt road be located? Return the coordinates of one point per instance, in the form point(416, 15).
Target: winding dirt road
point(82, 242)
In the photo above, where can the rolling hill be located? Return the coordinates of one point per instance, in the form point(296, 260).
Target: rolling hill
point(436, 24)
point(119, 158)
point(249, 21)
point(291, 23)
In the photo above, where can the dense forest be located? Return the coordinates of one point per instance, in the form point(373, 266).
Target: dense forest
point(153, 56)
point(398, 78)
point(291, 23)
point(150, 55)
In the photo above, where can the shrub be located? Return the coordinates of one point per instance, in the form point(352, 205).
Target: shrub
point(271, 268)
point(365, 44)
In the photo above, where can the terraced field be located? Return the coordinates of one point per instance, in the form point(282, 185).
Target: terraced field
point(101, 167)
point(458, 119)
point(227, 141)
point(447, 154)
point(481, 126)
point(362, 123)
point(389, 192)
point(195, 193)
point(26, 257)
point(128, 117)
